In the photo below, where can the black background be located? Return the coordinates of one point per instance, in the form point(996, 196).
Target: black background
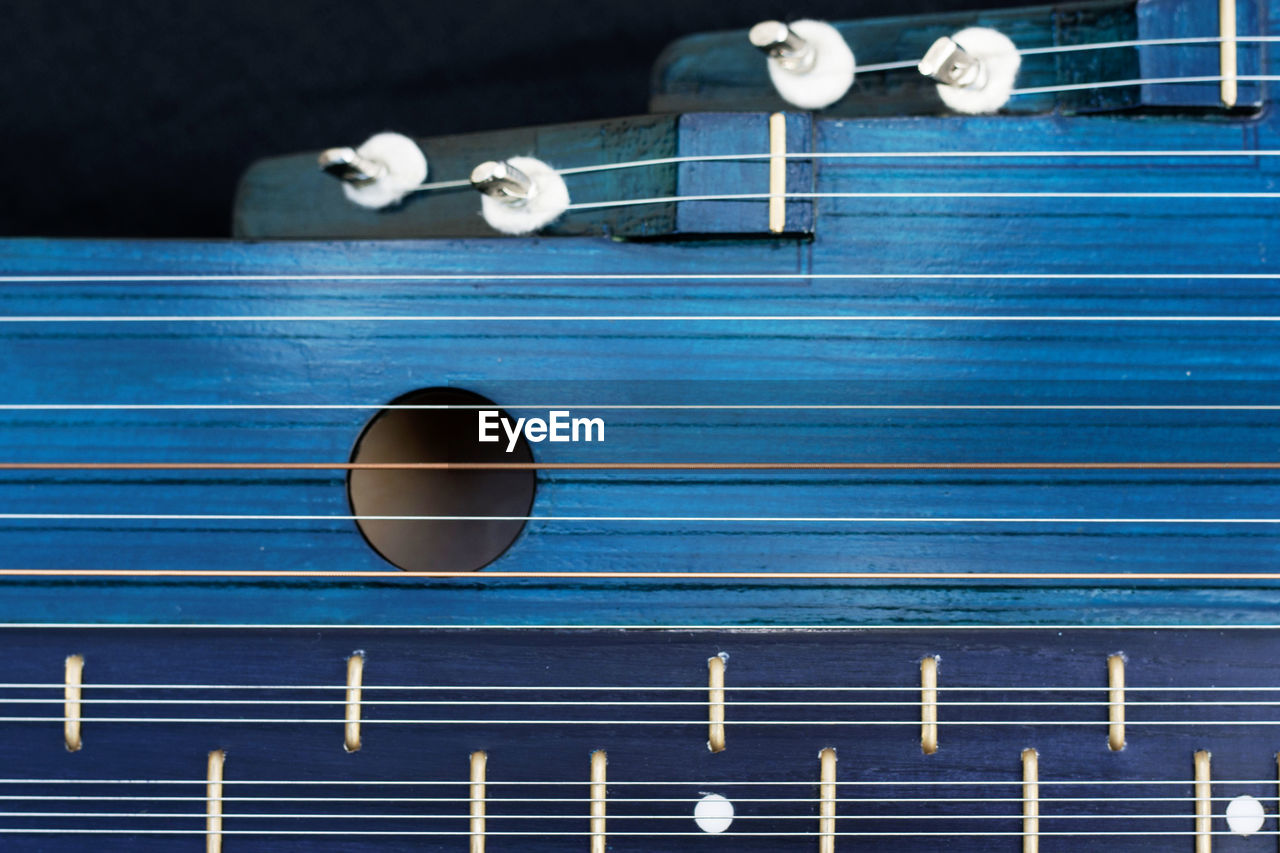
point(136, 117)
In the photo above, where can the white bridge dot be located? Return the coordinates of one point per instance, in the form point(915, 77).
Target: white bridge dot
point(713, 813)
point(1244, 815)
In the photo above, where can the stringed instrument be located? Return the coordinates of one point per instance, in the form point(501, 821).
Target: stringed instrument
point(872, 448)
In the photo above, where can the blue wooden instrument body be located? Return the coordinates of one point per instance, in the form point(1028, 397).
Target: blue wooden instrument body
point(913, 302)
point(962, 309)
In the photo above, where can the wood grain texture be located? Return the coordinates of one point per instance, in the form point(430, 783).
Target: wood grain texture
point(899, 343)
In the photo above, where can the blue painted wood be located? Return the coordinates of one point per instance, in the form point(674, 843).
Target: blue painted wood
point(1159, 19)
point(1026, 256)
point(888, 325)
point(578, 363)
point(288, 197)
point(550, 761)
point(708, 134)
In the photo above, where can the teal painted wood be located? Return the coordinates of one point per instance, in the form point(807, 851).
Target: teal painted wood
point(721, 70)
point(1026, 257)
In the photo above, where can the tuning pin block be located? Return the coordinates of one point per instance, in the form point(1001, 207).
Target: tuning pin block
point(809, 62)
point(379, 173)
point(975, 69)
point(519, 195)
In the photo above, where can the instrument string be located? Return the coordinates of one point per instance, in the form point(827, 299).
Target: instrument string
point(748, 723)
point(664, 688)
point(613, 834)
point(664, 519)
point(611, 800)
point(732, 277)
point(1207, 41)
point(638, 466)
point(881, 155)
point(147, 407)
point(1002, 703)
point(764, 197)
point(855, 783)
point(671, 576)
point(646, 318)
point(885, 818)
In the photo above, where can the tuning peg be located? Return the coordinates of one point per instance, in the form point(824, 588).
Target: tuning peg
point(519, 195)
point(502, 181)
point(381, 172)
point(949, 63)
point(347, 165)
point(809, 62)
point(975, 69)
point(782, 43)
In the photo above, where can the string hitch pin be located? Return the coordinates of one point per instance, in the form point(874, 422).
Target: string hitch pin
point(500, 180)
point(781, 43)
point(952, 65)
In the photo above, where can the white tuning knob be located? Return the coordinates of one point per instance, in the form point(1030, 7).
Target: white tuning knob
point(810, 64)
point(975, 69)
point(381, 172)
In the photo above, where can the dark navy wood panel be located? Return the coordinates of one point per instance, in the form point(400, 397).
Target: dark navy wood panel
point(541, 768)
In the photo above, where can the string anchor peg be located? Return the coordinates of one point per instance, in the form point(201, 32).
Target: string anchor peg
point(791, 51)
point(952, 65)
point(500, 180)
point(348, 166)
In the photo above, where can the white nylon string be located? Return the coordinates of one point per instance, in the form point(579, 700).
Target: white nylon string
point(491, 816)
point(524, 703)
point(690, 519)
point(637, 277)
point(148, 407)
point(560, 688)
point(619, 688)
point(613, 834)
point(1207, 41)
point(613, 800)
point(468, 721)
point(932, 783)
point(593, 205)
point(1145, 81)
point(879, 155)
point(643, 318)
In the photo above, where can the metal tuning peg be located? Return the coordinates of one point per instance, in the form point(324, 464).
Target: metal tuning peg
point(781, 43)
point(504, 182)
point(951, 65)
point(350, 167)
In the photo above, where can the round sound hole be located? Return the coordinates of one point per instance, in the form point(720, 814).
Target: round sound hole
point(438, 435)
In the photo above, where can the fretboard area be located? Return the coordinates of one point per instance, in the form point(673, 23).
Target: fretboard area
point(376, 739)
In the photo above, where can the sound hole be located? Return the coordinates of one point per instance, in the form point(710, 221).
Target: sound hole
point(437, 435)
